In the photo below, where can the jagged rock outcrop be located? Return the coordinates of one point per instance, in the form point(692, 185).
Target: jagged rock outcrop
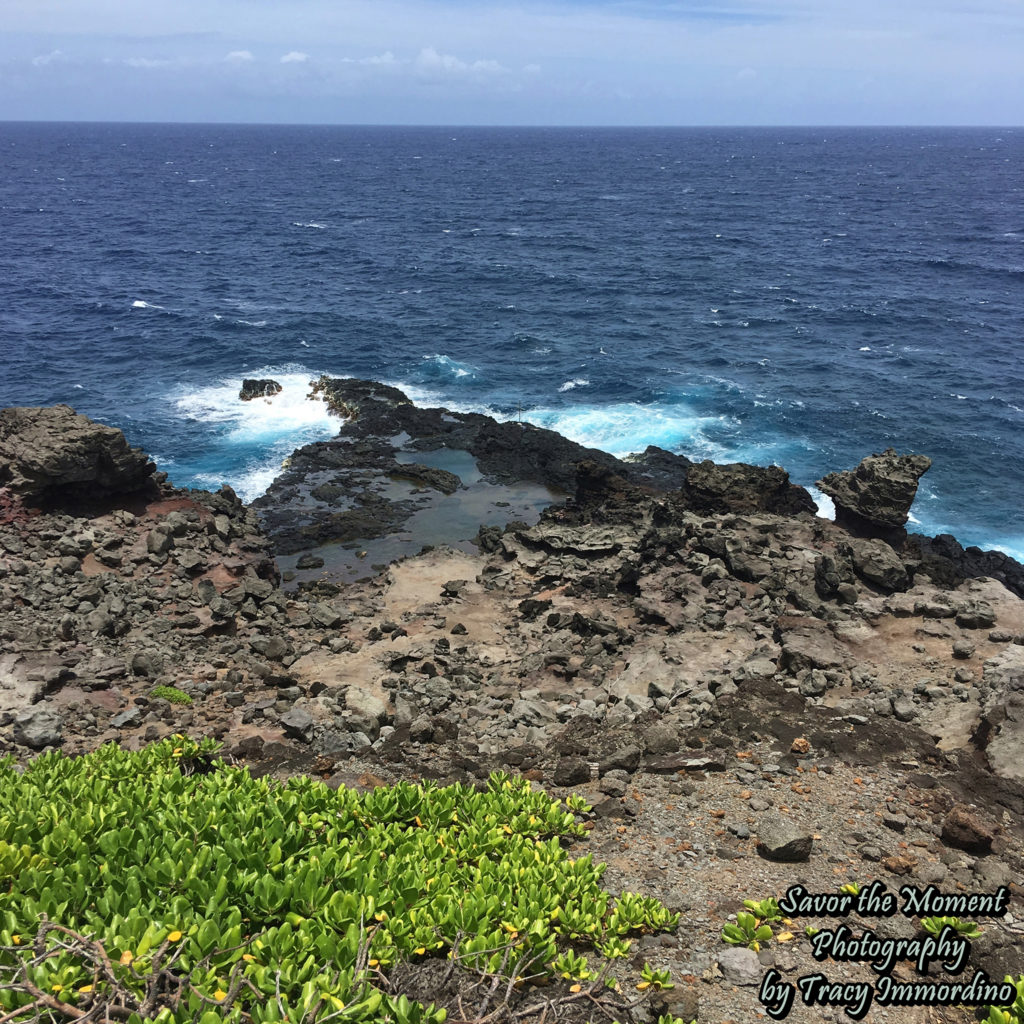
point(51, 452)
point(877, 495)
point(739, 487)
point(253, 387)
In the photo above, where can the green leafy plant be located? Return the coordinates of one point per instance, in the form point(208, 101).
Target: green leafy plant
point(572, 965)
point(179, 889)
point(747, 931)
point(170, 693)
point(934, 925)
point(656, 979)
point(764, 910)
point(1012, 1014)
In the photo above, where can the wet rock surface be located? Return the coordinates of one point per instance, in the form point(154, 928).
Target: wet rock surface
point(253, 387)
point(715, 682)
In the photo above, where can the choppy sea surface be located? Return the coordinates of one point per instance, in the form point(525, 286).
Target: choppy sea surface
point(793, 296)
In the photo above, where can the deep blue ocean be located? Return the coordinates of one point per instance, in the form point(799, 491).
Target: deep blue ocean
point(796, 296)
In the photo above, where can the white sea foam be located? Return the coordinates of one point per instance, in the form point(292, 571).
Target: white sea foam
point(826, 506)
point(286, 412)
point(140, 304)
point(308, 224)
point(626, 427)
point(257, 436)
point(450, 367)
point(864, 348)
point(579, 382)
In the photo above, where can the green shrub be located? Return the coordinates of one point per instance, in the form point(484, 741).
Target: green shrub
point(170, 693)
point(1012, 1014)
point(208, 896)
point(934, 926)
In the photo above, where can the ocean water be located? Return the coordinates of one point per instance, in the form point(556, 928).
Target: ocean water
point(793, 296)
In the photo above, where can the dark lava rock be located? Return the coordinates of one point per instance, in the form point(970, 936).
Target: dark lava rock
point(571, 771)
point(879, 492)
point(428, 476)
point(966, 831)
point(948, 563)
point(739, 487)
point(47, 452)
point(778, 838)
point(258, 388)
point(127, 719)
point(298, 723)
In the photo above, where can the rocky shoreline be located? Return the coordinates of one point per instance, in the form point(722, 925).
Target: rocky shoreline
point(687, 644)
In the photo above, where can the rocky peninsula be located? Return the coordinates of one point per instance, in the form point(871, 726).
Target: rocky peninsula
point(749, 695)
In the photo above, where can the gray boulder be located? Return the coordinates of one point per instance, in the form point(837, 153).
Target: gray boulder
point(877, 563)
point(740, 966)
point(38, 727)
point(779, 838)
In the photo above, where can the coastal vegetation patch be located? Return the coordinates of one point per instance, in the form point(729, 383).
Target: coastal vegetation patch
point(168, 886)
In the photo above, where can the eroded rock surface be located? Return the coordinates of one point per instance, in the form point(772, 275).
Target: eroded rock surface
point(48, 453)
point(879, 492)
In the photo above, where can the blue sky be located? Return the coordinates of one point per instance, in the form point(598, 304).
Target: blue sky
point(670, 62)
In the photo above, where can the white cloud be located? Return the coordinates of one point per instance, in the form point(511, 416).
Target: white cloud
point(48, 58)
point(387, 59)
point(295, 57)
point(431, 64)
point(239, 57)
point(145, 62)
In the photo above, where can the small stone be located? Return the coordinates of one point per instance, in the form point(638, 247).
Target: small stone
point(127, 719)
point(899, 865)
point(158, 542)
point(903, 708)
point(781, 839)
point(740, 966)
point(571, 771)
point(963, 649)
point(297, 723)
point(612, 786)
point(800, 746)
point(966, 831)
